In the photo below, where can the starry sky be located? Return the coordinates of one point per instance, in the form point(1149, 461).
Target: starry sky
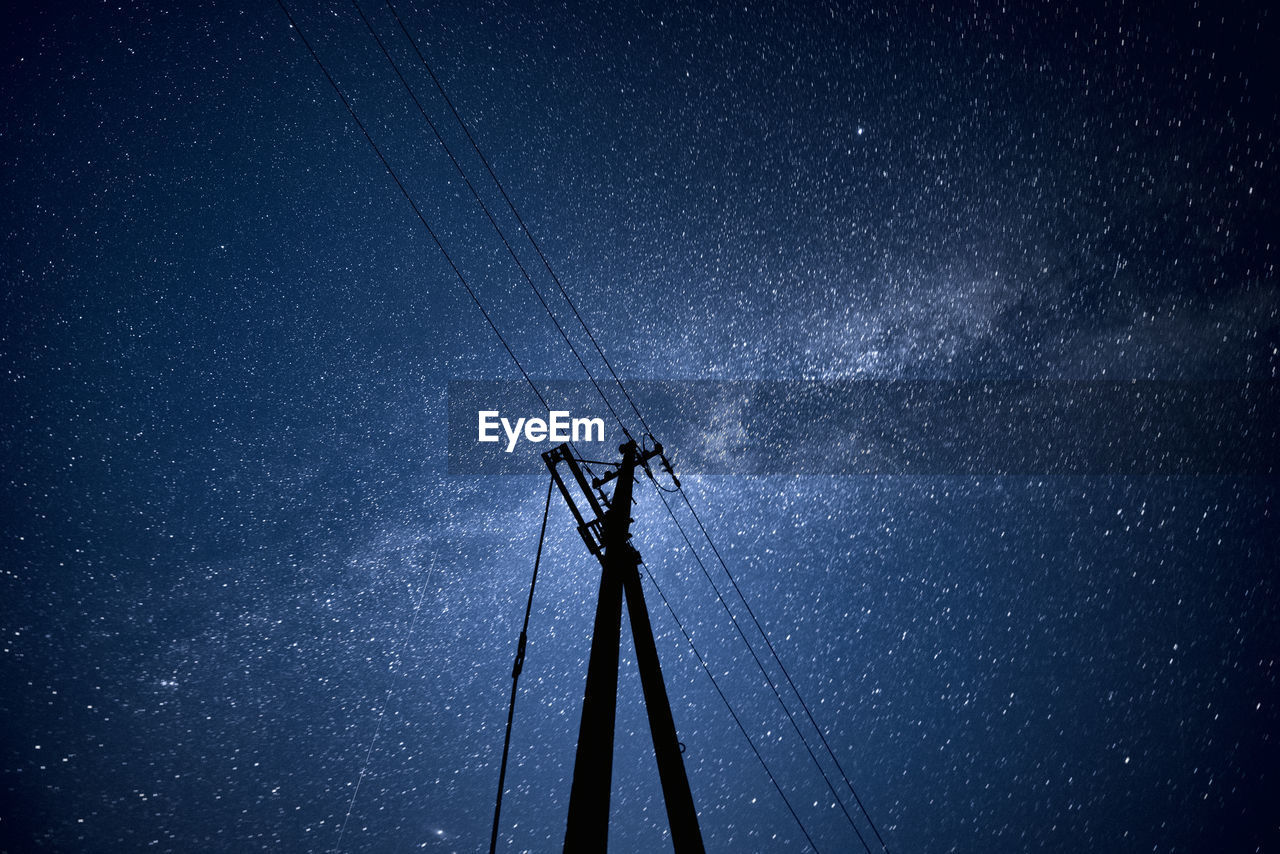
point(237, 577)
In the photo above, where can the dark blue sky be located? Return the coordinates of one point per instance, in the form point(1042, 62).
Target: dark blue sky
point(225, 346)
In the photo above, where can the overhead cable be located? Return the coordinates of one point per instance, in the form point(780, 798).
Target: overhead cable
point(782, 666)
point(768, 679)
point(413, 204)
point(516, 669)
point(516, 212)
point(493, 222)
point(706, 669)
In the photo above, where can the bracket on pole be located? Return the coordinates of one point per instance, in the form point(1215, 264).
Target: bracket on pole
point(590, 531)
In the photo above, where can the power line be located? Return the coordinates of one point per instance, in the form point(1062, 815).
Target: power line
point(706, 669)
point(492, 221)
point(405, 192)
point(517, 668)
point(768, 679)
point(515, 211)
point(416, 210)
point(782, 666)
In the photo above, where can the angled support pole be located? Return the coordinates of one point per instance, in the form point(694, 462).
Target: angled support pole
point(681, 814)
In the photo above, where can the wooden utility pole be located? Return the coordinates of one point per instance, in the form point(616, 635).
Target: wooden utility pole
point(608, 536)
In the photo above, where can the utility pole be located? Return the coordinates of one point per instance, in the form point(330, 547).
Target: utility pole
point(608, 537)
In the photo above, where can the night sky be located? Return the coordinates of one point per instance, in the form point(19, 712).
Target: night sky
point(232, 550)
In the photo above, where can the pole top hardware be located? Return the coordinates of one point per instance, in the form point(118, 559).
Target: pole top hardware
point(642, 458)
